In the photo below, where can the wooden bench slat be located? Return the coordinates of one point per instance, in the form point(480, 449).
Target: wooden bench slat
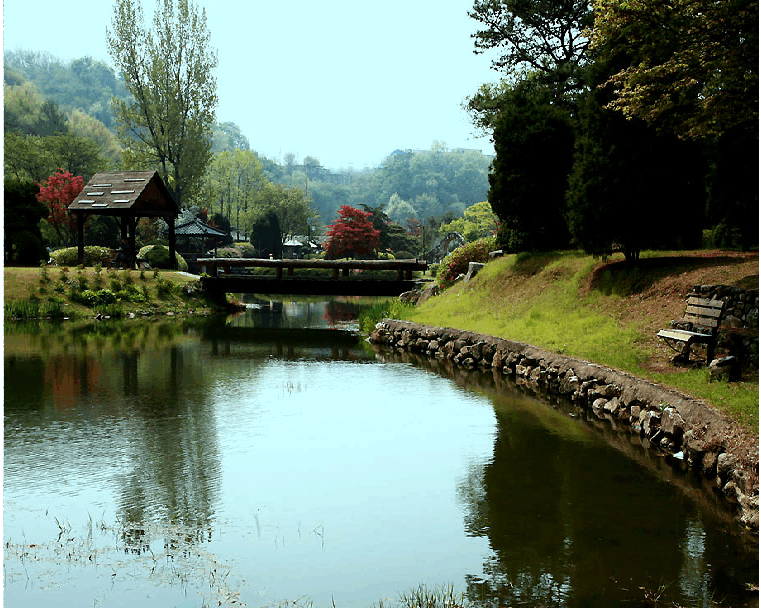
point(694, 300)
point(702, 311)
point(682, 335)
point(700, 320)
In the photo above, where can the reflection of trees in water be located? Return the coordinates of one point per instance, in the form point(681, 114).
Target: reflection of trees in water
point(570, 523)
point(342, 311)
point(176, 461)
point(137, 375)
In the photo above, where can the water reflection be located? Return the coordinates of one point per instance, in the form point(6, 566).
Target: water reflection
point(571, 522)
point(286, 452)
point(303, 313)
point(133, 386)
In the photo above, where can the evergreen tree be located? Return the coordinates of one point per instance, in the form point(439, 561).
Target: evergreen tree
point(533, 139)
point(22, 213)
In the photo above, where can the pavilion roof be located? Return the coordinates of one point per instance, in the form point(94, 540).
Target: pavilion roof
point(126, 193)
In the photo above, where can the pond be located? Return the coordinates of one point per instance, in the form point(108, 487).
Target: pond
point(273, 458)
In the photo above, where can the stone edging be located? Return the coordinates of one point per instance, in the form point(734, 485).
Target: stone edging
point(686, 428)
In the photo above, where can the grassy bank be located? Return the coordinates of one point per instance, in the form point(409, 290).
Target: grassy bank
point(63, 292)
point(604, 312)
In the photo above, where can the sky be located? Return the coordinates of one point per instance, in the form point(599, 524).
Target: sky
point(344, 81)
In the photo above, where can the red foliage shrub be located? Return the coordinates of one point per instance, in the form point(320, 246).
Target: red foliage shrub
point(57, 193)
point(352, 235)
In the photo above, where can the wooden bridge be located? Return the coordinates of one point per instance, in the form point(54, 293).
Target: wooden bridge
point(347, 277)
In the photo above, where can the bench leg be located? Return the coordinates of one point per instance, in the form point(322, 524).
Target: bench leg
point(710, 351)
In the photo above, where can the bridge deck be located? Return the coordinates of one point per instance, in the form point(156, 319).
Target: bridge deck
point(403, 267)
point(340, 283)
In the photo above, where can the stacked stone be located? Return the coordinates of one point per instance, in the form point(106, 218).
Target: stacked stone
point(692, 434)
point(739, 320)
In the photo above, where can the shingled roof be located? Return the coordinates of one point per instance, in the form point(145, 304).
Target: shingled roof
point(134, 193)
point(196, 227)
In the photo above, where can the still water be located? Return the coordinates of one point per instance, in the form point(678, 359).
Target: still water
point(249, 461)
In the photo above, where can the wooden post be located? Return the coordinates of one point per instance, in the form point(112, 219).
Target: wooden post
point(133, 253)
point(80, 238)
point(173, 244)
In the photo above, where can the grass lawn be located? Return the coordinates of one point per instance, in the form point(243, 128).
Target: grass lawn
point(59, 291)
point(606, 313)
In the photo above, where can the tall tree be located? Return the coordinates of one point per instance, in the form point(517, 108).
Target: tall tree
point(290, 205)
point(694, 63)
point(169, 72)
point(231, 182)
point(22, 213)
point(546, 37)
point(533, 139)
point(625, 174)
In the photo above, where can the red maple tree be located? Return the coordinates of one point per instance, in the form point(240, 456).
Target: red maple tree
point(58, 191)
point(352, 234)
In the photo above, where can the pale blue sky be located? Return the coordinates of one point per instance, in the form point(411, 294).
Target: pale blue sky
point(343, 80)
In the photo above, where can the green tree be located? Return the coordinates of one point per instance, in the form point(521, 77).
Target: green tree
point(228, 137)
point(628, 182)
point(693, 66)
point(533, 139)
point(540, 36)
point(289, 205)
point(88, 127)
point(169, 71)
point(399, 210)
point(22, 212)
point(266, 235)
point(477, 222)
point(231, 183)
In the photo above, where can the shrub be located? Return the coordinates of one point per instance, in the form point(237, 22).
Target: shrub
point(164, 287)
point(158, 257)
point(247, 250)
point(230, 252)
point(403, 255)
point(456, 263)
point(92, 298)
point(26, 248)
point(68, 256)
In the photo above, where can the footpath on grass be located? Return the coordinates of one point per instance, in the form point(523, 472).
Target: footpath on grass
point(586, 330)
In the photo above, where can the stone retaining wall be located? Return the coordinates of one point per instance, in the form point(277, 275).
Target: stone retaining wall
point(738, 328)
point(687, 429)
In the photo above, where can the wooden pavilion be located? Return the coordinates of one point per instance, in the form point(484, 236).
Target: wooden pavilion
point(128, 195)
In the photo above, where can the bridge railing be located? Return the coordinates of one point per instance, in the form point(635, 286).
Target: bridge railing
point(404, 268)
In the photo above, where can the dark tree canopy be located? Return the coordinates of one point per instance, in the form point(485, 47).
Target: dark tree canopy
point(632, 188)
point(22, 213)
point(533, 139)
point(542, 36)
point(693, 66)
point(266, 237)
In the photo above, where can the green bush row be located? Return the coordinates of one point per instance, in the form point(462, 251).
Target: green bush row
point(93, 255)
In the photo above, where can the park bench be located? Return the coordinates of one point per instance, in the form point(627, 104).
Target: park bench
point(700, 325)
